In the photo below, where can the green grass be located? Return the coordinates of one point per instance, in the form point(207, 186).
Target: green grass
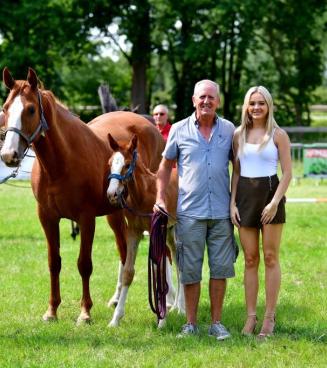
point(319, 119)
point(25, 341)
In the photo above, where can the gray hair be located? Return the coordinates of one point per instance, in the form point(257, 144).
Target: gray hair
point(164, 107)
point(208, 81)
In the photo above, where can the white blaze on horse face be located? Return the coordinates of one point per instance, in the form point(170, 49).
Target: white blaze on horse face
point(117, 165)
point(11, 142)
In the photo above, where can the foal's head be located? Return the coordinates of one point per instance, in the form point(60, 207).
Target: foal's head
point(122, 164)
point(22, 116)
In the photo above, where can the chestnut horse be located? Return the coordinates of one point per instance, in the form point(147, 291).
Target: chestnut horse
point(69, 175)
point(130, 174)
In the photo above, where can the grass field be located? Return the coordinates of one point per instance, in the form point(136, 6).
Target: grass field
point(25, 341)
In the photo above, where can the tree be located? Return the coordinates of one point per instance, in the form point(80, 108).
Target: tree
point(133, 21)
point(286, 55)
point(172, 44)
point(80, 84)
point(185, 40)
point(41, 34)
point(205, 40)
point(244, 43)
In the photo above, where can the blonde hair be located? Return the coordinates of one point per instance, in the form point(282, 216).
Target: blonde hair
point(246, 121)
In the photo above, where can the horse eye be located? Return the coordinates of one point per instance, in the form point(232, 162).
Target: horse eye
point(31, 110)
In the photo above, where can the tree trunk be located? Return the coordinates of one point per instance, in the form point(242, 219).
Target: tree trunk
point(139, 86)
point(139, 36)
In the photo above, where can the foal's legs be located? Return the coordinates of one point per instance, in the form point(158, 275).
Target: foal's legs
point(179, 303)
point(113, 301)
point(133, 239)
point(170, 297)
point(87, 226)
point(118, 225)
point(51, 229)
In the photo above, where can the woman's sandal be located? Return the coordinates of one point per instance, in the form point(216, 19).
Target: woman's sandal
point(268, 326)
point(250, 325)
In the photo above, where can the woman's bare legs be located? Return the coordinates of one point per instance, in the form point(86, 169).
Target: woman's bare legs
point(249, 238)
point(271, 238)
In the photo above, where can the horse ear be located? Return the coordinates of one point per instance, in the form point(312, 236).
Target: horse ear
point(32, 78)
point(133, 143)
point(8, 80)
point(113, 143)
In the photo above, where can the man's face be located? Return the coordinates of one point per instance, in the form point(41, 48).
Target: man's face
point(205, 100)
point(160, 116)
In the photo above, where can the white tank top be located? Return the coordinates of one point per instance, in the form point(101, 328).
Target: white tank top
point(255, 163)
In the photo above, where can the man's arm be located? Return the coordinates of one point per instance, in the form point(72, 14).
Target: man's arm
point(163, 177)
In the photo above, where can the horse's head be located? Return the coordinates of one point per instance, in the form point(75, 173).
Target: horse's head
point(22, 116)
point(122, 164)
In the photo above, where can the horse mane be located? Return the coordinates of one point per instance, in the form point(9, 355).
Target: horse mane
point(49, 96)
point(52, 97)
point(44, 93)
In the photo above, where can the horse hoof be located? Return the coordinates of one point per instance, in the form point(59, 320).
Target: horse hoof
point(113, 324)
point(162, 323)
point(83, 320)
point(49, 318)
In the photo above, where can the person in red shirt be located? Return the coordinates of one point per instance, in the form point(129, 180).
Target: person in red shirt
point(160, 115)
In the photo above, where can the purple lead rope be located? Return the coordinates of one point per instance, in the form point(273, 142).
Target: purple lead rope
point(157, 284)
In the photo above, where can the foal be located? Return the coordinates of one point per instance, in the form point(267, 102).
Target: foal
point(140, 187)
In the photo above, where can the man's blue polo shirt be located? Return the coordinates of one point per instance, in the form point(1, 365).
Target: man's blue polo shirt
point(204, 189)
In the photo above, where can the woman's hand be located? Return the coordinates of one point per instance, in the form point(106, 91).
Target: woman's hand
point(269, 212)
point(234, 215)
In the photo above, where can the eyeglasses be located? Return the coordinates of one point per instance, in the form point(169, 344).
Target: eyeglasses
point(158, 113)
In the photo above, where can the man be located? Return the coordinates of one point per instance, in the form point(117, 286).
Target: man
point(160, 115)
point(201, 144)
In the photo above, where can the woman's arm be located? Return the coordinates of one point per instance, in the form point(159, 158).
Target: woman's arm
point(234, 214)
point(284, 151)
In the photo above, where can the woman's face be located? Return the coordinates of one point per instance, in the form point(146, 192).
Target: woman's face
point(257, 108)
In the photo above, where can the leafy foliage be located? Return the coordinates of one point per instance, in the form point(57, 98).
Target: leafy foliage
point(80, 84)
point(41, 34)
point(168, 46)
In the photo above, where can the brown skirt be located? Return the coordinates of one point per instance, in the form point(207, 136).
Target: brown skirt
point(252, 195)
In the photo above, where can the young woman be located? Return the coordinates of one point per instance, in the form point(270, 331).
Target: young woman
point(258, 202)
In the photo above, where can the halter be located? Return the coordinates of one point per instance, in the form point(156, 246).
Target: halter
point(42, 127)
point(129, 172)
